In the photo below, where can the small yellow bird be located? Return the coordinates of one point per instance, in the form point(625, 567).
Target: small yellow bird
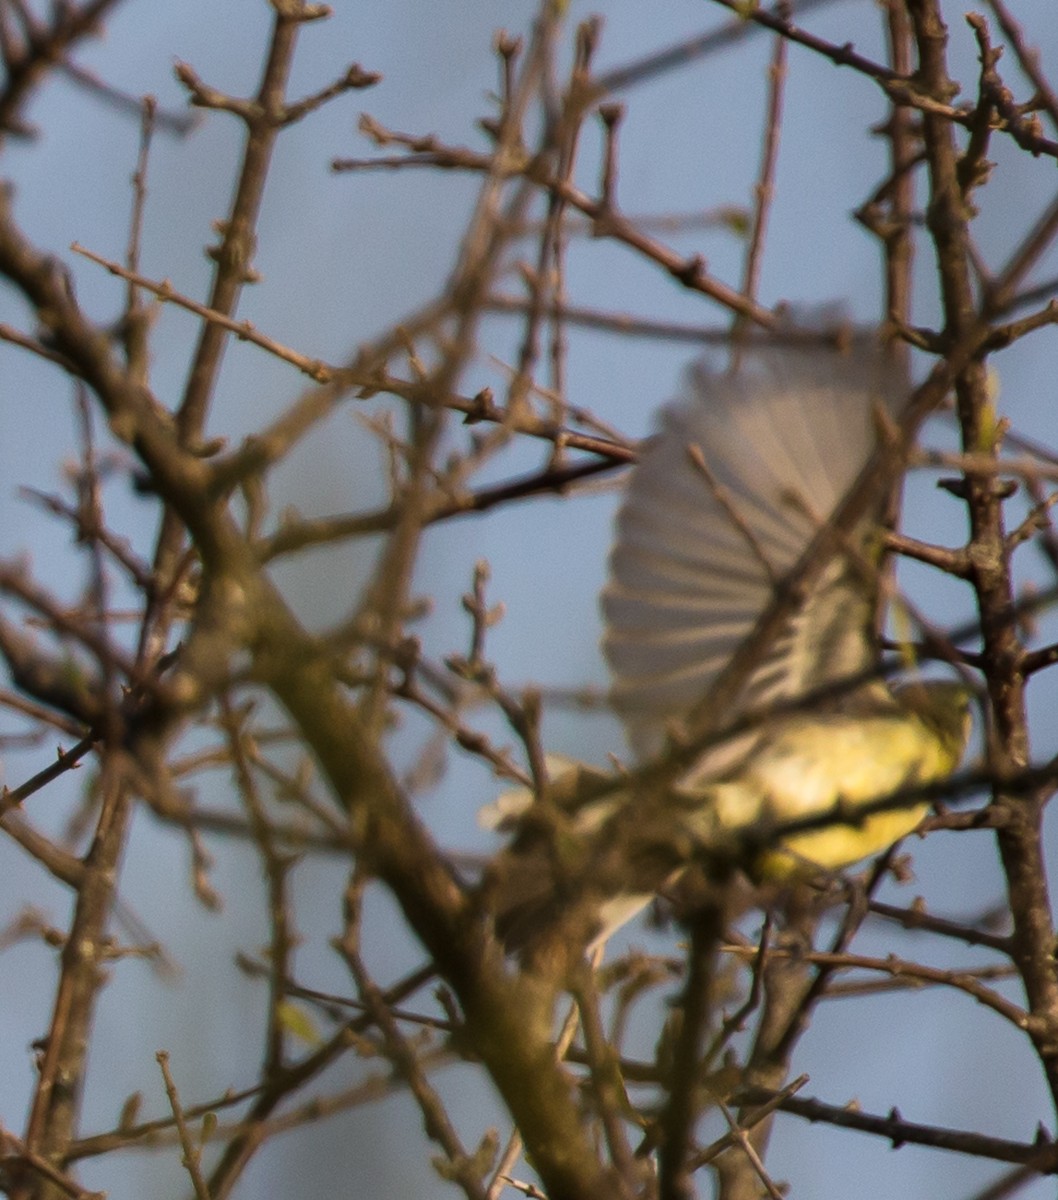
point(722, 505)
point(839, 764)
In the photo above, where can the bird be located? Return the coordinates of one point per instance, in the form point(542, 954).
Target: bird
point(745, 468)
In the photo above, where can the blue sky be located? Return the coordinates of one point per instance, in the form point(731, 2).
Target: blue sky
point(343, 257)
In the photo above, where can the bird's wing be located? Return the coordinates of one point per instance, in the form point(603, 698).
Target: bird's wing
point(698, 550)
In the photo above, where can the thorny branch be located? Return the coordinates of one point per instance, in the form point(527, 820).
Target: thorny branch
point(221, 678)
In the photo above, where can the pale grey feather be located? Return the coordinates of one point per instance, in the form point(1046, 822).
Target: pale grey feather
point(696, 554)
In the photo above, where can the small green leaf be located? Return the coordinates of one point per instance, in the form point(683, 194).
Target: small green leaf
point(297, 1022)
